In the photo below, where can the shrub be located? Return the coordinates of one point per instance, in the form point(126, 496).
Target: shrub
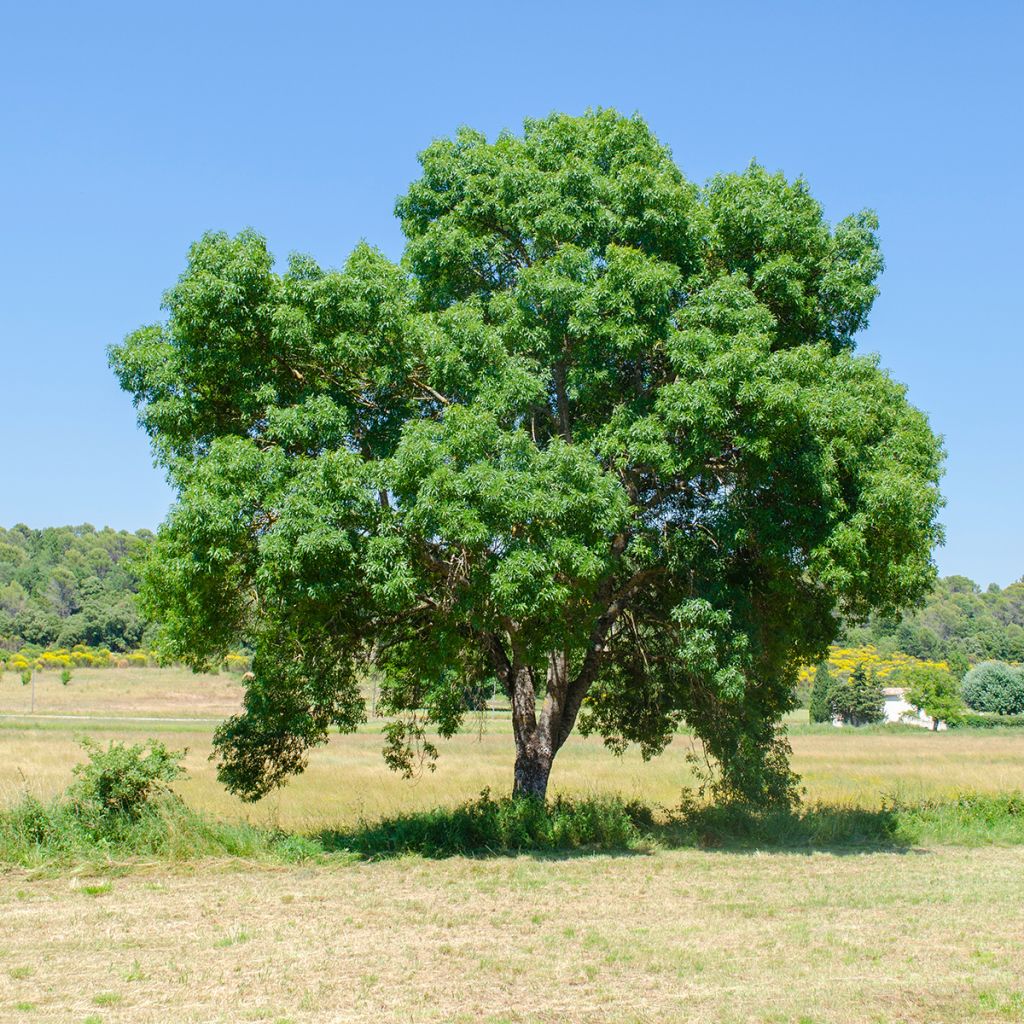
point(860, 700)
point(487, 825)
point(65, 676)
point(26, 676)
point(63, 831)
point(123, 779)
point(971, 721)
point(995, 687)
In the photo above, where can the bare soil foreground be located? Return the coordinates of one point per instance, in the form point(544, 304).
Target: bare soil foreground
point(926, 936)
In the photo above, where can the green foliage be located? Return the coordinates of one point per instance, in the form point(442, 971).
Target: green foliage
point(935, 692)
point(500, 826)
point(26, 676)
point(819, 708)
point(969, 820)
point(958, 663)
point(119, 807)
point(957, 622)
point(65, 832)
point(972, 721)
point(995, 687)
point(57, 835)
point(601, 437)
point(70, 585)
point(859, 700)
point(123, 779)
point(65, 676)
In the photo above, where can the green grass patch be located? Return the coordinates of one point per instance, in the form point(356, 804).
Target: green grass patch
point(61, 832)
point(64, 833)
point(489, 826)
point(967, 820)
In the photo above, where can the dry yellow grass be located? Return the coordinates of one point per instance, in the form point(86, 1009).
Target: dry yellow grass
point(934, 937)
point(347, 779)
point(161, 692)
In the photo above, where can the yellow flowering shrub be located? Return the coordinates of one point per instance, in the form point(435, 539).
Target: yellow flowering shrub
point(843, 660)
point(79, 656)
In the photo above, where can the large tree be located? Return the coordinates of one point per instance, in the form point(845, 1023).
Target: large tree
point(600, 437)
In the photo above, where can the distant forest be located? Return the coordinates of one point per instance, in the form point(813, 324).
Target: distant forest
point(957, 618)
point(72, 585)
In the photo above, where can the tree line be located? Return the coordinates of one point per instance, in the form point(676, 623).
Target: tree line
point(990, 688)
point(958, 622)
point(69, 585)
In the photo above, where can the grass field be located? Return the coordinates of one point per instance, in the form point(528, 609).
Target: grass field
point(933, 934)
point(933, 937)
point(347, 780)
point(159, 692)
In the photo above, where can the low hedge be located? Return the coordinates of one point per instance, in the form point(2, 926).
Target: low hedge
point(973, 721)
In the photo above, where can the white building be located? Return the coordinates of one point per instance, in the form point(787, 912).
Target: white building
point(898, 710)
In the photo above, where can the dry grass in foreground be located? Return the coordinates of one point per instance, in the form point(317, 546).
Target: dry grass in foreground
point(880, 938)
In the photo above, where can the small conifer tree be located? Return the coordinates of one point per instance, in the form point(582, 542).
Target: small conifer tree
point(860, 700)
point(819, 708)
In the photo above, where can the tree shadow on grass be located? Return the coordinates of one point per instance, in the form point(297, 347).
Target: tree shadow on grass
point(819, 828)
point(578, 828)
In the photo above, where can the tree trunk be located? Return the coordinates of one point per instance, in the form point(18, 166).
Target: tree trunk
point(538, 740)
point(532, 769)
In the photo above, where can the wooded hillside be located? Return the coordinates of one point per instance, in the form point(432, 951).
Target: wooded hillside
point(70, 585)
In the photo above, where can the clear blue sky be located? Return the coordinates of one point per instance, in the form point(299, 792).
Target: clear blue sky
point(128, 130)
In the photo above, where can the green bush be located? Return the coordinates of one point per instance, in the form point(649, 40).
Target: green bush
point(122, 779)
point(991, 721)
point(119, 807)
point(62, 832)
point(506, 825)
point(995, 687)
point(65, 676)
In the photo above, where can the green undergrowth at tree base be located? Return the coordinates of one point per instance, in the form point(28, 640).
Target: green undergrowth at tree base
point(62, 833)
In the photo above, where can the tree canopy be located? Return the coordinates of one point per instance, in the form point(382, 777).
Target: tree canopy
point(819, 709)
point(858, 700)
point(601, 436)
point(69, 585)
point(995, 687)
point(935, 692)
point(958, 621)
